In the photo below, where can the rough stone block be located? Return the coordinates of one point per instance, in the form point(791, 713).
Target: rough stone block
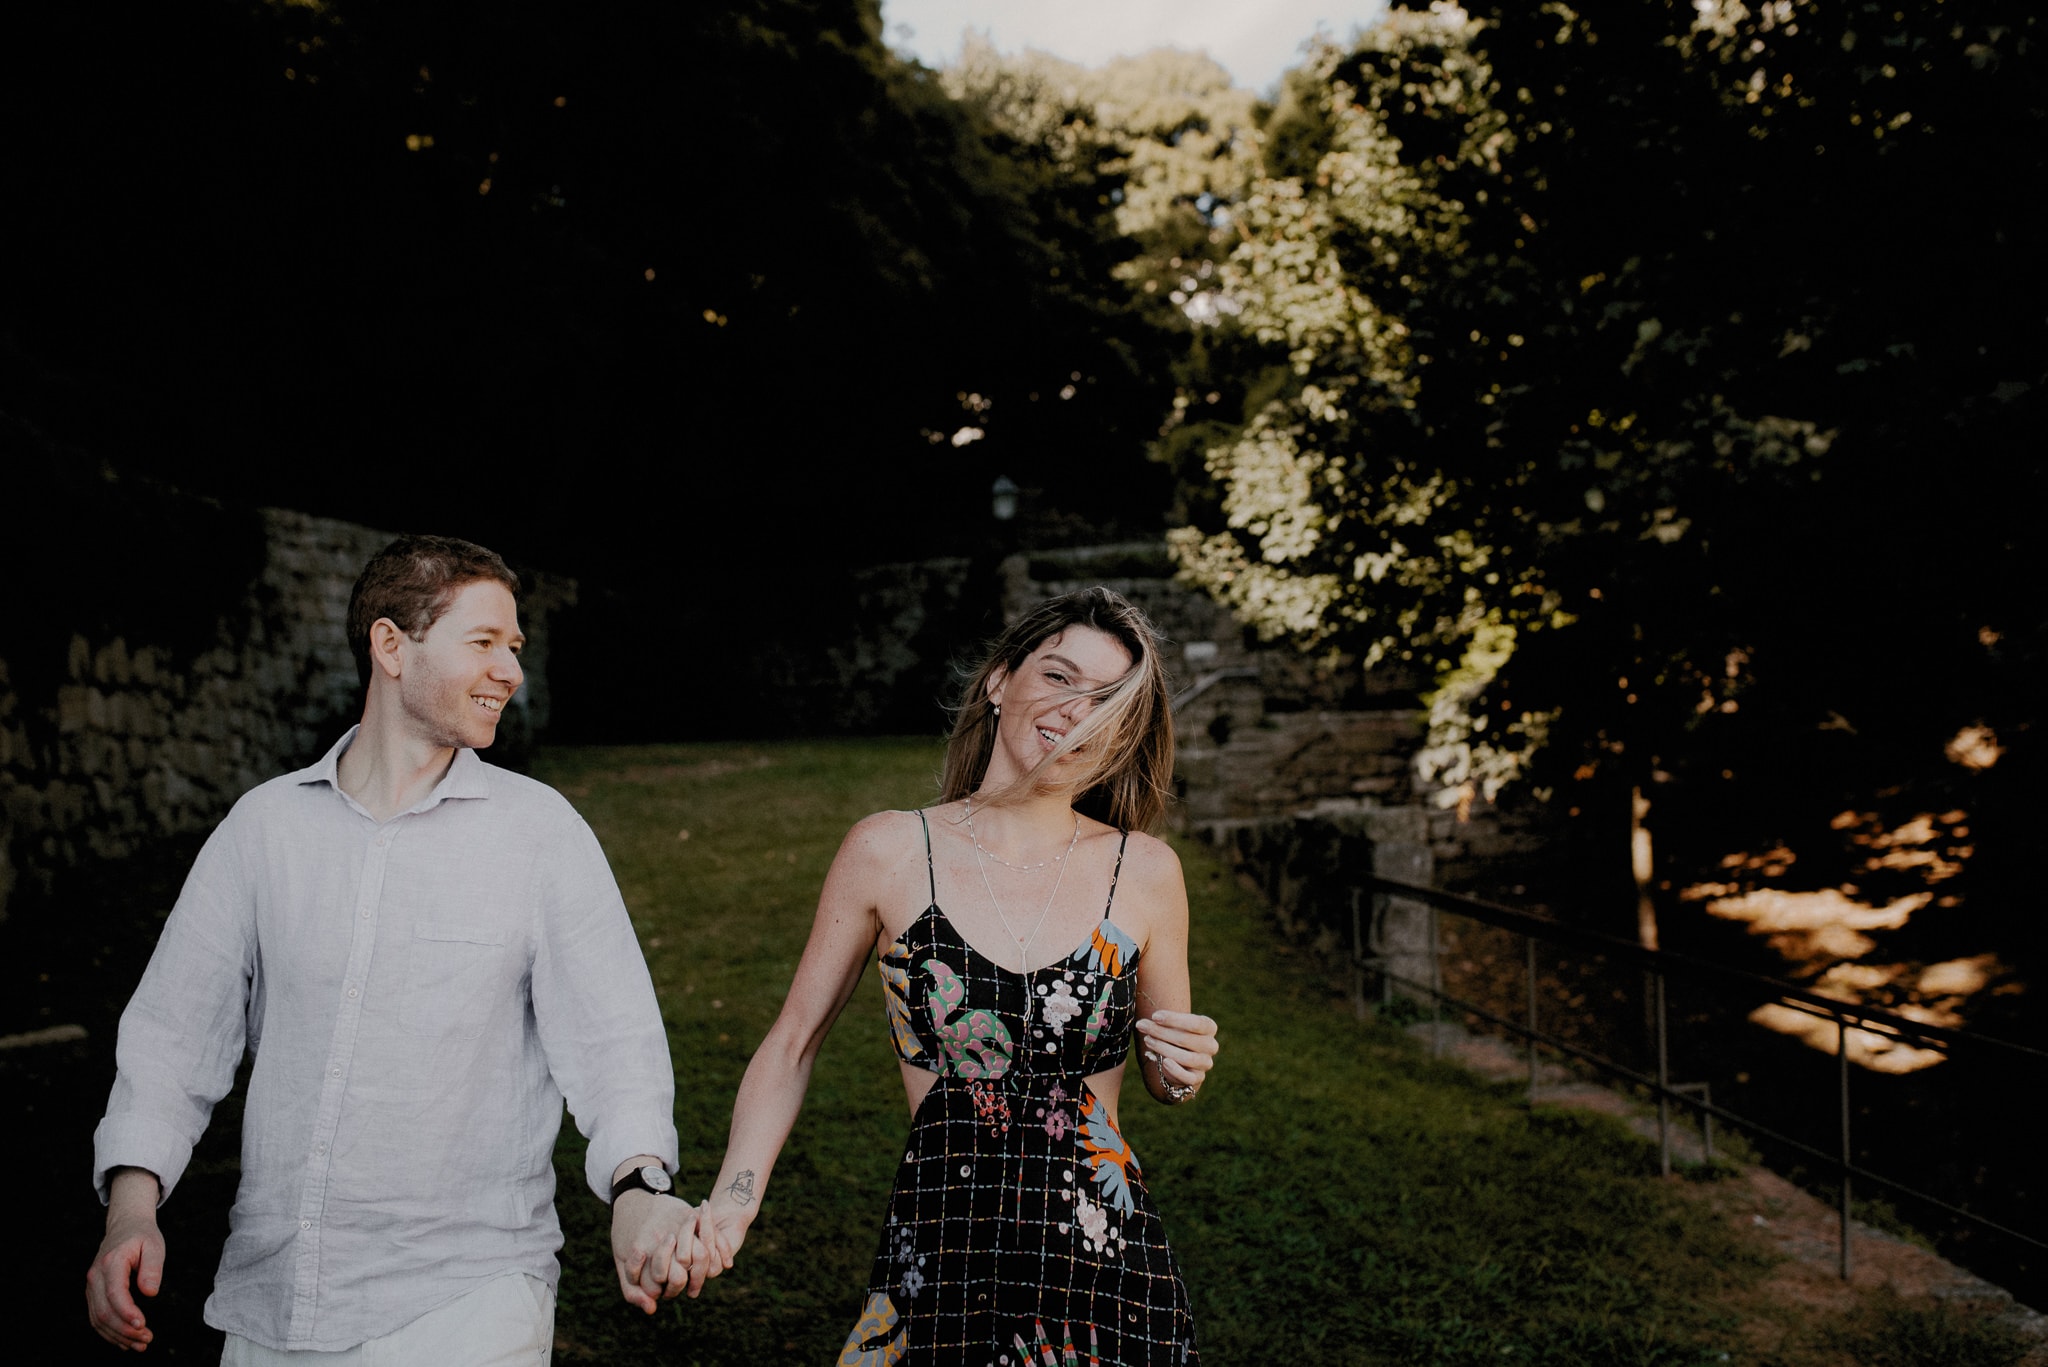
point(94, 753)
point(178, 789)
point(151, 790)
point(67, 804)
point(110, 663)
point(106, 844)
point(27, 808)
point(72, 712)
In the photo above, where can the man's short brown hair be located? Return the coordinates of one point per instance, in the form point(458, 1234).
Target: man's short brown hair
point(412, 581)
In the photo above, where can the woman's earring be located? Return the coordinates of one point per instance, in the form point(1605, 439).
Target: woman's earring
point(997, 708)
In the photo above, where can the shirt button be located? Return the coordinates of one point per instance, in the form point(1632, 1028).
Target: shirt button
point(305, 1224)
point(337, 1072)
point(353, 993)
point(319, 1149)
point(366, 912)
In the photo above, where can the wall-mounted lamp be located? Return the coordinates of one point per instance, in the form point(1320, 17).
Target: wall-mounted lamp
point(1002, 496)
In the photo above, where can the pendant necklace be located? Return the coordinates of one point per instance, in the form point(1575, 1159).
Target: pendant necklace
point(1023, 942)
point(1021, 868)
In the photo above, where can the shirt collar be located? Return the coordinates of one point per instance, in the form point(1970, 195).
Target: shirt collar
point(468, 776)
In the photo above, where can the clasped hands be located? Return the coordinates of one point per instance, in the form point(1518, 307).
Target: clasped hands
point(664, 1247)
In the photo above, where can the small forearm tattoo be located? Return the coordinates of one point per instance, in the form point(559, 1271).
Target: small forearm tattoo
point(741, 1188)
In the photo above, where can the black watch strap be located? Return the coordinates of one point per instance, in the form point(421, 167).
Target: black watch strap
point(636, 1180)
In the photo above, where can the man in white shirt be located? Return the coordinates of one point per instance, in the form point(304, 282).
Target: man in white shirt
point(424, 955)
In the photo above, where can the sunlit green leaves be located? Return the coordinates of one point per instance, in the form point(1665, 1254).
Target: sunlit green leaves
point(1566, 317)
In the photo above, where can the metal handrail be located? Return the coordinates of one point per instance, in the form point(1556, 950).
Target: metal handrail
point(1209, 681)
point(1533, 926)
point(1685, 965)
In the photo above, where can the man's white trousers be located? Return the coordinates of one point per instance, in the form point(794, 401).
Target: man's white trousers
point(506, 1322)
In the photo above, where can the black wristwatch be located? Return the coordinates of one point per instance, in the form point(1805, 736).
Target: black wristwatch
point(650, 1177)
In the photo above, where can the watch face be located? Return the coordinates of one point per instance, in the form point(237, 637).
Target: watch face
point(656, 1177)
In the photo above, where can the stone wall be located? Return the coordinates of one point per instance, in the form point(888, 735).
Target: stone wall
point(880, 657)
point(117, 730)
point(1261, 729)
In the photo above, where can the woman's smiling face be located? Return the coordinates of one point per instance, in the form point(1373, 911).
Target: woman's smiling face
point(1047, 696)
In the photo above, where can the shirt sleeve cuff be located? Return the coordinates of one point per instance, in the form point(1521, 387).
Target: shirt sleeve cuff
point(137, 1142)
point(615, 1147)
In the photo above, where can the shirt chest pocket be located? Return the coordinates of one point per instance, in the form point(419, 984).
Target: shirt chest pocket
point(456, 976)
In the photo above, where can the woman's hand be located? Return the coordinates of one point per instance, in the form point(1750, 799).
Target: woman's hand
point(722, 1224)
point(1182, 1047)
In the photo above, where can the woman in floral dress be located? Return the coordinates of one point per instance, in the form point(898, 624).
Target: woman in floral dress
point(1024, 929)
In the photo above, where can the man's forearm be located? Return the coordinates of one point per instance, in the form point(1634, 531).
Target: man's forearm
point(132, 1191)
point(130, 1260)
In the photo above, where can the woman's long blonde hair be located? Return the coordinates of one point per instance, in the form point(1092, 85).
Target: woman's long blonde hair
point(1126, 779)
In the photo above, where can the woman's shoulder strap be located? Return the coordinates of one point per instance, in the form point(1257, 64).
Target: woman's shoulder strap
point(931, 877)
point(1124, 839)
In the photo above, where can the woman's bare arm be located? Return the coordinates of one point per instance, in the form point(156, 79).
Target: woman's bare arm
point(1177, 1048)
point(842, 937)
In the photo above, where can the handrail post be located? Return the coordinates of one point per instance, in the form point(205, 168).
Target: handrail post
point(1436, 983)
point(1529, 958)
point(1663, 1079)
point(1842, 1070)
point(1391, 945)
point(1379, 909)
point(1705, 1106)
point(1357, 957)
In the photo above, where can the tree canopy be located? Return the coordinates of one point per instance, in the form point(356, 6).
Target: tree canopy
point(1661, 376)
point(691, 301)
point(719, 282)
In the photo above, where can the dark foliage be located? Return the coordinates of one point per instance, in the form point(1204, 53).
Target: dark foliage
point(682, 299)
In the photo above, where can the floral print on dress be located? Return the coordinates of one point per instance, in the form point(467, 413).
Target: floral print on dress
point(896, 1001)
point(1009, 1137)
point(871, 1344)
point(1057, 1005)
point(903, 1251)
point(991, 1105)
point(1109, 1157)
point(1108, 949)
point(976, 1043)
point(1040, 1349)
point(1098, 1017)
point(1052, 1117)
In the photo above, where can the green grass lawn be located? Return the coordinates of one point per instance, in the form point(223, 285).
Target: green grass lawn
point(1334, 1196)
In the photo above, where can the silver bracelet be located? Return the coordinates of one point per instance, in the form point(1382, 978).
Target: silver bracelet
point(1174, 1094)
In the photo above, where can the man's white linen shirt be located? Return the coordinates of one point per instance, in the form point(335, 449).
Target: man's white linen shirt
point(419, 997)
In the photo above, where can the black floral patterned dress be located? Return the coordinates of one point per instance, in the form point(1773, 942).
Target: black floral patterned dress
point(1020, 1229)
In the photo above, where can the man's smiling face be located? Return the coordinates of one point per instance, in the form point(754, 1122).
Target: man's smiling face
point(456, 680)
